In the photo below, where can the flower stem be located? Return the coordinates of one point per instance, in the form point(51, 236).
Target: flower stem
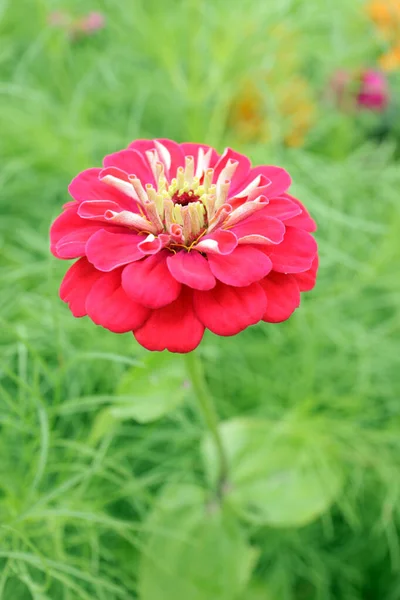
point(207, 407)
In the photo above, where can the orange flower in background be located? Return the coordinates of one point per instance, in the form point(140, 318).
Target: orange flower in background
point(275, 101)
point(390, 61)
point(385, 14)
point(287, 105)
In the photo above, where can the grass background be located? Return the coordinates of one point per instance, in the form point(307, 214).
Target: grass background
point(72, 508)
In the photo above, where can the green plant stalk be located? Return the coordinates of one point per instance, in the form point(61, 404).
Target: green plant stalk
point(206, 405)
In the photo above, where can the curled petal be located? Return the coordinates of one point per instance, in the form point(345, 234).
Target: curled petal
point(228, 310)
point(245, 210)
point(219, 217)
point(242, 267)
point(259, 229)
point(151, 244)
point(306, 280)
point(283, 296)
point(87, 186)
point(251, 187)
point(192, 269)
point(130, 219)
point(204, 156)
point(218, 242)
point(96, 209)
point(278, 180)
point(107, 251)
point(108, 305)
point(131, 162)
point(171, 154)
point(76, 285)
point(240, 174)
point(295, 254)
point(149, 281)
point(175, 327)
point(115, 178)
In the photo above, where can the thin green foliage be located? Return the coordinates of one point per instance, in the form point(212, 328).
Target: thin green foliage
point(77, 509)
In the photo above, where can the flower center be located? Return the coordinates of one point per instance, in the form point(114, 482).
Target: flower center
point(185, 198)
point(183, 208)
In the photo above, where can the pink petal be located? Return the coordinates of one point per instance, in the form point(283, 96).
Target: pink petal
point(69, 234)
point(95, 209)
point(228, 310)
point(87, 186)
point(303, 220)
point(279, 179)
point(295, 254)
point(218, 242)
point(242, 267)
point(142, 146)
point(73, 245)
point(108, 305)
point(241, 173)
point(193, 150)
point(259, 229)
point(192, 269)
point(107, 251)
point(149, 281)
point(132, 162)
point(306, 280)
point(174, 327)
point(76, 285)
point(151, 244)
point(281, 208)
point(245, 209)
point(283, 296)
point(171, 154)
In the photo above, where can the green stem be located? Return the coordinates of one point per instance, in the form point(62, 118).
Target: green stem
point(207, 407)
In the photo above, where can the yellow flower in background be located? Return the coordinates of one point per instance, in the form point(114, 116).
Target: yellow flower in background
point(286, 106)
point(386, 16)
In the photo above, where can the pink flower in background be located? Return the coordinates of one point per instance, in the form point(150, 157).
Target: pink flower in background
point(91, 23)
point(374, 90)
point(175, 238)
point(77, 27)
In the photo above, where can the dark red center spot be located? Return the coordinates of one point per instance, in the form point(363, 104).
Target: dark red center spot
point(185, 198)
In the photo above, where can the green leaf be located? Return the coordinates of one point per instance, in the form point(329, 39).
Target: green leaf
point(144, 393)
point(193, 550)
point(148, 393)
point(284, 476)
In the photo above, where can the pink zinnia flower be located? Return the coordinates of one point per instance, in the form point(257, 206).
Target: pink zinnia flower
point(91, 23)
point(374, 90)
point(173, 238)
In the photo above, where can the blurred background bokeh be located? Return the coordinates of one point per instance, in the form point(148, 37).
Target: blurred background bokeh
point(313, 86)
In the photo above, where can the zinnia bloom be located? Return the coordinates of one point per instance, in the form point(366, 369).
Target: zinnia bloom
point(173, 238)
point(366, 89)
point(374, 90)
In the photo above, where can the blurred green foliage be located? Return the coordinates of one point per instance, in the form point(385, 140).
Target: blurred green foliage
point(98, 503)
